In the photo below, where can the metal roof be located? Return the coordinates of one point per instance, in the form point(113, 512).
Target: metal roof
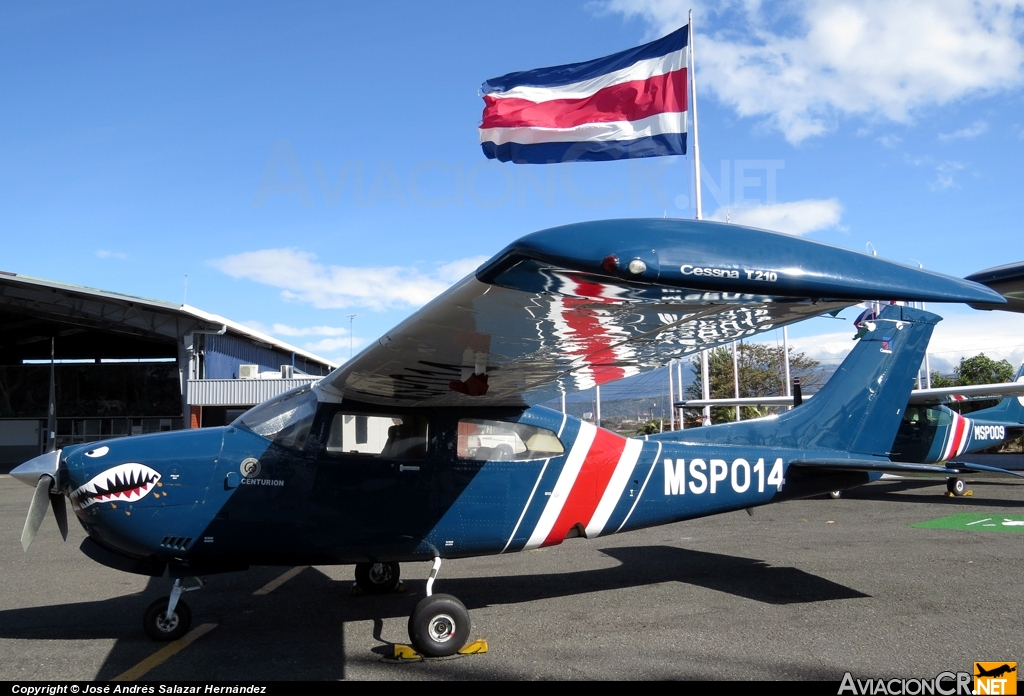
point(117, 312)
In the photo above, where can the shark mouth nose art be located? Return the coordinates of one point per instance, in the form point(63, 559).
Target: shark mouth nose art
point(124, 483)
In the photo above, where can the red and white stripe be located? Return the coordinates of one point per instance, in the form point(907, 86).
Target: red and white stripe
point(646, 98)
point(590, 484)
point(959, 436)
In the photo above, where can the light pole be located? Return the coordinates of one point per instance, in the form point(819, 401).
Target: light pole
point(351, 318)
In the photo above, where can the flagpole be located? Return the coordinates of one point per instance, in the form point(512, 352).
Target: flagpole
point(706, 387)
point(693, 106)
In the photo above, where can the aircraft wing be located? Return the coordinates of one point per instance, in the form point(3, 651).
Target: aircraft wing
point(1008, 281)
point(902, 468)
point(918, 397)
point(568, 308)
point(967, 393)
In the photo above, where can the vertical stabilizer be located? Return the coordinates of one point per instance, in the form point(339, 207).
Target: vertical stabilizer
point(860, 408)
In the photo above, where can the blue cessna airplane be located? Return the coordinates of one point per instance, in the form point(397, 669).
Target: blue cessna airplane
point(931, 432)
point(430, 445)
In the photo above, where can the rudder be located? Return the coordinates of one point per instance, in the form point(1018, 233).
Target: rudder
point(860, 408)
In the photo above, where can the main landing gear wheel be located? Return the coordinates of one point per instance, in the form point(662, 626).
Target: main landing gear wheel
point(377, 578)
point(956, 486)
point(835, 495)
point(163, 627)
point(439, 626)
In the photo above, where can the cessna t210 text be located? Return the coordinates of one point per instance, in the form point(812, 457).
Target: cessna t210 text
point(431, 445)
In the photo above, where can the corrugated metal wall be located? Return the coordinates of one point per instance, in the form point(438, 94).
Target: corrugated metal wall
point(223, 355)
point(238, 392)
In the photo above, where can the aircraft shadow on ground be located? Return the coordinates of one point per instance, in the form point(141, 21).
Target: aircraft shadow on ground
point(296, 632)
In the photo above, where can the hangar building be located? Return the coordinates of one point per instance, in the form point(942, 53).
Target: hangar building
point(126, 365)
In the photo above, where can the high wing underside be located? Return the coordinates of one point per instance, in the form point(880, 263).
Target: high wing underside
point(569, 308)
point(1008, 281)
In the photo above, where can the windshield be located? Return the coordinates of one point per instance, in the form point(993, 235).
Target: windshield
point(284, 420)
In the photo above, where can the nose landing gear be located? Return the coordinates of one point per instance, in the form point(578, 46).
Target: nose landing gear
point(169, 618)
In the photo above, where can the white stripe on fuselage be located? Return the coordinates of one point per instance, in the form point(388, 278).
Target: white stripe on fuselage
point(617, 484)
point(563, 486)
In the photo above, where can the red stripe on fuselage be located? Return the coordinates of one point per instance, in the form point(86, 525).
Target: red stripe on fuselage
point(958, 437)
point(628, 101)
point(589, 486)
point(956, 429)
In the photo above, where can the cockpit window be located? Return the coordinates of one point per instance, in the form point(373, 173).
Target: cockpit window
point(378, 435)
point(927, 416)
point(489, 440)
point(284, 420)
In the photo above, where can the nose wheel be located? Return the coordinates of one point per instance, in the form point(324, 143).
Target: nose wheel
point(163, 625)
point(169, 618)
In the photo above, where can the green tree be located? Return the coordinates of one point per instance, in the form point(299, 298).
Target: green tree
point(761, 373)
point(984, 370)
point(980, 369)
point(941, 381)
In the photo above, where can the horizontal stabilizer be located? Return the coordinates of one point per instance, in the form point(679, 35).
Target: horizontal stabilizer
point(887, 467)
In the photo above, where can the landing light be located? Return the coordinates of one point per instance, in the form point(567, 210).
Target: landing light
point(636, 266)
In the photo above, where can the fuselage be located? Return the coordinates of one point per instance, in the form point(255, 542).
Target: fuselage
point(480, 482)
point(930, 434)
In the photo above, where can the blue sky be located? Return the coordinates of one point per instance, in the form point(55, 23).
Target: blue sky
point(304, 162)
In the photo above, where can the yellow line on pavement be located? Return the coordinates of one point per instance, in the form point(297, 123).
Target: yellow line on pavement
point(162, 655)
point(278, 581)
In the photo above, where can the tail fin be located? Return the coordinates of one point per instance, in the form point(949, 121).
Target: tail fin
point(860, 408)
point(1010, 409)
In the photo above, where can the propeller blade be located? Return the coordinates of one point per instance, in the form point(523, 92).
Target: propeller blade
point(60, 512)
point(36, 511)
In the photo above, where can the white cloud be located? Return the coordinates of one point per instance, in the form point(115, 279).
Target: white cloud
point(999, 335)
point(303, 279)
point(459, 269)
point(944, 175)
point(971, 131)
point(798, 217)
point(335, 342)
point(333, 345)
point(944, 171)
point(889, 140)
point(802, 65)
point(285, 330)
point(107, 254)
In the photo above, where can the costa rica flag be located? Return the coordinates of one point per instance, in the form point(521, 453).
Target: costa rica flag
point(629, 104)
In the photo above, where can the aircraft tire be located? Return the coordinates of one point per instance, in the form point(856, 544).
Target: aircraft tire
point(956, 486)
point(835, 495)
point(439, 626)
point(159, 627)
point(377, 578)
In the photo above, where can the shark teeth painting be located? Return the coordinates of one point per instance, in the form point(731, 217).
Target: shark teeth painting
point(126, 483)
